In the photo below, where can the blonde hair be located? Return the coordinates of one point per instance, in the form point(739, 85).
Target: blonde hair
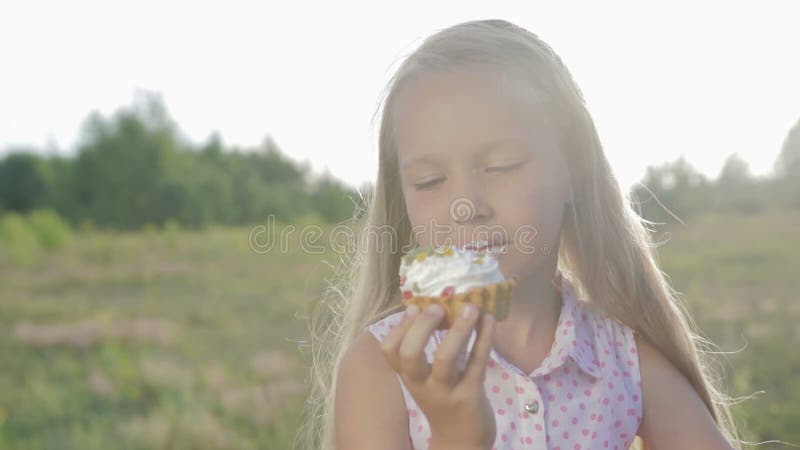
point(605, 247)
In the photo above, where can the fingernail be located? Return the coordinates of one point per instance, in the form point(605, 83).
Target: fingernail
point(466, 311)
point(412, 310)
point(435, 310)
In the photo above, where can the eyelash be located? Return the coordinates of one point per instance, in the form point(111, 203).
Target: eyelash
point(428, 184)
point(507, 168)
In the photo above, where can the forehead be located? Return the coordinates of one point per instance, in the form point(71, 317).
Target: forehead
point(466, 111)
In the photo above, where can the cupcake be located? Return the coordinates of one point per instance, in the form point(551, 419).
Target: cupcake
point(452, 277)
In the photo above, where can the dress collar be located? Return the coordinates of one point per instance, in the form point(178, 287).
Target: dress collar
point(574, 336)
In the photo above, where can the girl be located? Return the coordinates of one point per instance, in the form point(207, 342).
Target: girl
point(597, 349)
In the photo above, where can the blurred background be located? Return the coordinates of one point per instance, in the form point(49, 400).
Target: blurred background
point(144, 146)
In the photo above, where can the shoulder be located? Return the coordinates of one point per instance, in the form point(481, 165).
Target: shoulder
point(370, 410)
point(674, 415)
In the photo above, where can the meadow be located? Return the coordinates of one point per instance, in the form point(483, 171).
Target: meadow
point(170, 338)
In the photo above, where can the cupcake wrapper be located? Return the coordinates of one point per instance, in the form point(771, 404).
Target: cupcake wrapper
point(493, 298)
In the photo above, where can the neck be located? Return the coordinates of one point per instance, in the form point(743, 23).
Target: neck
point(534, 311)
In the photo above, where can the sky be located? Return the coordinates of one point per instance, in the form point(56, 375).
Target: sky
point(698, 79)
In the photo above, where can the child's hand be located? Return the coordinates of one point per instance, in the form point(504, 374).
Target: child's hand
point(453, 401)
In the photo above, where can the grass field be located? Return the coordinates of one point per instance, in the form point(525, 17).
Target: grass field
point(193, 340)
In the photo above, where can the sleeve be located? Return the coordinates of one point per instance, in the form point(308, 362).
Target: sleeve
point(627, 362)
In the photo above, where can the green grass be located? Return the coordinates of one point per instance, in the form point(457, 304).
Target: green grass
point(153, 340)
point(738, 276)
point(179, 339)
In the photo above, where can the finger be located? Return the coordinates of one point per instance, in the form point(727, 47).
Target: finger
point(445, 368)
point(391, 343)
point(476, 367)
point(414, 362)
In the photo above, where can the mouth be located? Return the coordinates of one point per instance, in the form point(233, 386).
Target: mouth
point(487, 247)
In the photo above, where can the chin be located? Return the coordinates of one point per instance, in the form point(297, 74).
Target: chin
point(520, 264)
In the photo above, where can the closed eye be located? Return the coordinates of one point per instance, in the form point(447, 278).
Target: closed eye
point(428, 184)
point(504, 168)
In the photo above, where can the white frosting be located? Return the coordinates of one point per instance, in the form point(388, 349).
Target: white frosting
point(461, 268)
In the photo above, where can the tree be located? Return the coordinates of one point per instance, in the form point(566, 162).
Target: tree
point(787, 169)
point(333, 200)
point(788, 162)
point(24, 181)
point(121, 166)
point(735, 189)
point(671, 191)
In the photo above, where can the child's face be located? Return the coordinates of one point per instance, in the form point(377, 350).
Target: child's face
point(456, 184)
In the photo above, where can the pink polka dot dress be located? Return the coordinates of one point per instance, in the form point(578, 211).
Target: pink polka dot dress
point(586, 394)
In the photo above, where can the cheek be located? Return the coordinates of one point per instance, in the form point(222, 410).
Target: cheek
point(538, 206)
point(416, 207)
point(421, 212)
point(536, 229)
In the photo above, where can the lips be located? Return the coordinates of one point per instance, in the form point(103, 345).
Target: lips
point(498, 246)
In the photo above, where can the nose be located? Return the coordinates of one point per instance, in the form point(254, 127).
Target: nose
point(470, 203)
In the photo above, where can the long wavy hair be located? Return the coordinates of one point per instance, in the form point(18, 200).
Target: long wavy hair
point(606, 248)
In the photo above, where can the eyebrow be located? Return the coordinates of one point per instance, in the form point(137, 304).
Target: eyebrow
point(484, 147)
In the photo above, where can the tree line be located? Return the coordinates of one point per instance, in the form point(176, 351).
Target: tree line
point(134, 169)
point(676, 191)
